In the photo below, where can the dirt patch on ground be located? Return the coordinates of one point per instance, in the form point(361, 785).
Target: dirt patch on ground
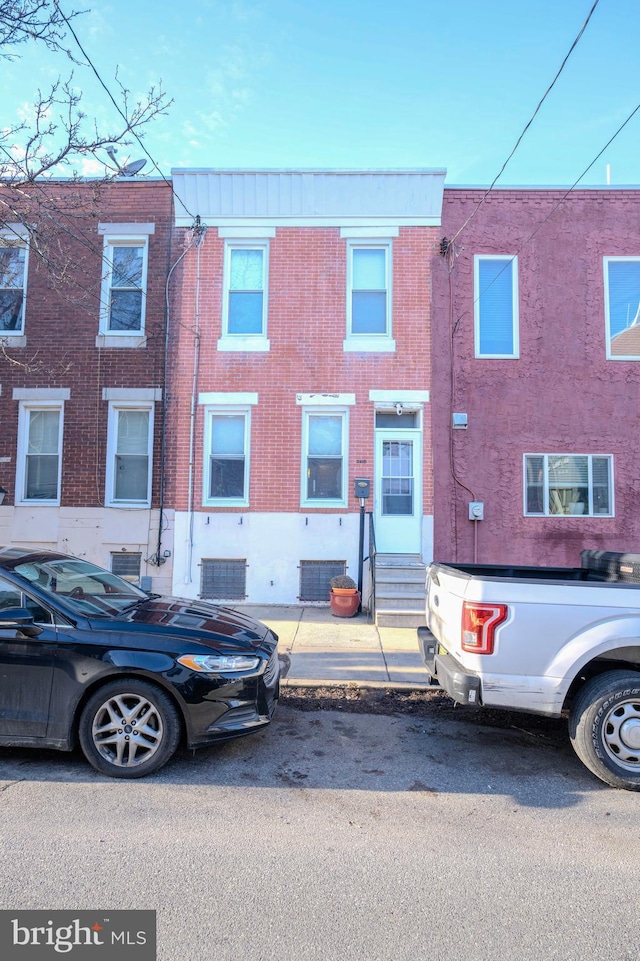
point(431, 703)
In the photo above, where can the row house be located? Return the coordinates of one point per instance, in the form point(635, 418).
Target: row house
point(82, 370)
point(536, 369)
point(300, 378)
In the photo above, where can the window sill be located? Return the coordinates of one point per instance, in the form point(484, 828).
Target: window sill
point(139, 506)
point(227, 502)
point(12, 339)
point(244, 343)
point(364, 344)
point(119, 341)
point(323, 505)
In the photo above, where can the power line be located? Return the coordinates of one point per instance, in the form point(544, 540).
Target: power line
point(117, 105)
point(529, 122)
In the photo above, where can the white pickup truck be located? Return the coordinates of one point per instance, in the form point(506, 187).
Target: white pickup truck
point(553, 641)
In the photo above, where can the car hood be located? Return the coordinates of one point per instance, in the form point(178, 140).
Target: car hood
point(214, 626)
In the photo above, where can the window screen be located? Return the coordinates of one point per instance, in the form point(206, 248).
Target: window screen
point(315, 578)
point(223, 579)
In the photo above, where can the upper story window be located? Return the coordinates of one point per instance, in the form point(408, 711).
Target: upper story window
point(496, 306)
point(323, 451)
point(124, 286)
point(369, 297)
point(13, 282)
point(622, 307)
point(244, 316)
point(129, 454)
point(39, 461)
point(568, 484)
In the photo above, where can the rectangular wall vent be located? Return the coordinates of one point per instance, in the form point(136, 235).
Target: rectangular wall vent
point(222, 579)
point(315, 577)
point(127, 565)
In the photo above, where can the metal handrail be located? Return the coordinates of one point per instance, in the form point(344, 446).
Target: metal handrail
point(371, 557)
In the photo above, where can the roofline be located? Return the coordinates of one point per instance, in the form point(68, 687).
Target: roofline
point(440, 171)
point(566, 187)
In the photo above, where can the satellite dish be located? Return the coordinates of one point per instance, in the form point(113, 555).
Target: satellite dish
point(128, 170)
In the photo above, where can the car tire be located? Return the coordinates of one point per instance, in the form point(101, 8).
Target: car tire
point(604, 727)
point(129, 728)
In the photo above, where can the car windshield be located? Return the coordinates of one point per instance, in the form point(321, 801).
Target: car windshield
point(83, 587)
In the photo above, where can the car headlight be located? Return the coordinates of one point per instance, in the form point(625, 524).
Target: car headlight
point(219, 663)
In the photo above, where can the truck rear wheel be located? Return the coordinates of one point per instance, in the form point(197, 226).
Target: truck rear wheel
point(604, 727)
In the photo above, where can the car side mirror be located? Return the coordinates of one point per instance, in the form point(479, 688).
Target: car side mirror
point(18, 619)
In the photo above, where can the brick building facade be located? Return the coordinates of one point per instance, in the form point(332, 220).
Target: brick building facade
point(82, 334)
point(300, 345)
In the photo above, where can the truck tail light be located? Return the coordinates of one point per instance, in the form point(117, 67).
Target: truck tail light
point(479, 623)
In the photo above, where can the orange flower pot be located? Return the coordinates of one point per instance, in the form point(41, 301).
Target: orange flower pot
point(345, 602)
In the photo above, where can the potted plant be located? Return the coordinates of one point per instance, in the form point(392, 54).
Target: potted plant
point(344, 597)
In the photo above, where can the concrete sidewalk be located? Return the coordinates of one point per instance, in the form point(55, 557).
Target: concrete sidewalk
point(325, 650)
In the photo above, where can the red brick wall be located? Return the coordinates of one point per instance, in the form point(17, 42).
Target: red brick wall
point(61, 324)
point(306, 328)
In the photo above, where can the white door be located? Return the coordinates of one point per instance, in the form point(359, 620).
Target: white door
point(398, 491)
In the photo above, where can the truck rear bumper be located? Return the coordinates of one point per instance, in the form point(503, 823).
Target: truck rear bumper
point(461, 685)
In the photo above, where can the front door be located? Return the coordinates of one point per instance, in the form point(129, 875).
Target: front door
point(398, 491)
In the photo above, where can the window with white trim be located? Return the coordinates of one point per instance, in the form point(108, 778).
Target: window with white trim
point(323, 450)
point(568, 484)
point(13, 281)
point(124, 286)
point(129, 454)
point(39, 461)
point(622, 307)
point(226, 473)
point(369, 290)
point(244, 312)
point(496, 306)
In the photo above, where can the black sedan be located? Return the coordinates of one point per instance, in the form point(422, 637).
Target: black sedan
point(87, 657)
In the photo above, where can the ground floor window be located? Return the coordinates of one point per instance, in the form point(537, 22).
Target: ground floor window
point(570, 484)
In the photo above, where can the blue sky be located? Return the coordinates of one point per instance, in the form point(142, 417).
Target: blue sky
point(351, 83)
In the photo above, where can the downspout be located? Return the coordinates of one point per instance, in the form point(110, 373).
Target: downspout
point(199, 233)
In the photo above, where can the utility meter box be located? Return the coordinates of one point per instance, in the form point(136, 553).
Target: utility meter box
point(476, 511)
point(361, 487)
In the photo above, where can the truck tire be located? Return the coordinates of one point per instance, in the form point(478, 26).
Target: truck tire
point(604, 727)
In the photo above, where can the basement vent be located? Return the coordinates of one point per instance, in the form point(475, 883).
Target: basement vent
point(315, 577)
point(223, 579)
point(127, 566)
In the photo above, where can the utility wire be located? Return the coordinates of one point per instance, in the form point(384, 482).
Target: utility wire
point(118, 107)
point(528, 124)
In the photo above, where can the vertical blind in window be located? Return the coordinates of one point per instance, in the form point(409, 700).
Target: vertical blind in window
point(495, 307)
point(568, 484)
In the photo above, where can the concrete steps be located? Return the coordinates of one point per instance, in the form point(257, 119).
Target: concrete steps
point(400, 596)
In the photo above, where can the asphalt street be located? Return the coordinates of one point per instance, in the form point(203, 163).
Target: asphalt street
point(332, 836)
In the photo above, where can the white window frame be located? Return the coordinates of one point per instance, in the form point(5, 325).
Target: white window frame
point(16, 236)
point(370, 342)
point(131, 338)
point(607, 309)
point(244, 342)
point(115, 408)
point(545, 486)
point(515, 313)
point(26, 408)
point(210, 412)
point(324, 410)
